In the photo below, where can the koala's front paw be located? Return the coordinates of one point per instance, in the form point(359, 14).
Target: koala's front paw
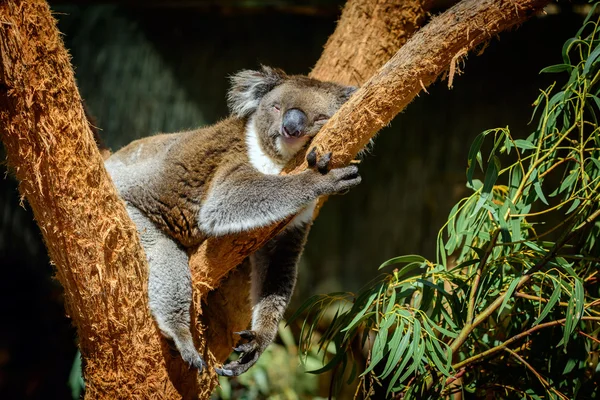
point(250, 351)
point(336, 180)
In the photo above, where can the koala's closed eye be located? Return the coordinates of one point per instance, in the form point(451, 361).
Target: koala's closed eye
point(322, 118)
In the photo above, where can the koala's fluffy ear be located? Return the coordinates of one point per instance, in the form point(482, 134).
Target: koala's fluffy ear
point(248, 88)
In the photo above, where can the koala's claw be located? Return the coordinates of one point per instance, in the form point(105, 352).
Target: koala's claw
point(250, 352)
point(247, 347)
point(311, 158)
point(240, 366)
point(247, 334)
point(322, 164)
point(344, 178)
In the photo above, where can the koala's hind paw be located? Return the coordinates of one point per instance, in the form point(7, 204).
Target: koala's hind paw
point(322, 164)
point(250, 352)
point(191, 357)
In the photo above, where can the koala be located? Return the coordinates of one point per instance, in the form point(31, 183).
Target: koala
point(183, 188)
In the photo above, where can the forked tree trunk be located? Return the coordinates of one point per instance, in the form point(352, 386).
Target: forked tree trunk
point(91, 240)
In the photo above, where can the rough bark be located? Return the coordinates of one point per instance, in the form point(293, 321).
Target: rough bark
point(91, 240)
point(367, 35)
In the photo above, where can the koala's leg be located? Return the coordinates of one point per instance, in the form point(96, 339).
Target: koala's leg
point(169, 287)
point(273, 281)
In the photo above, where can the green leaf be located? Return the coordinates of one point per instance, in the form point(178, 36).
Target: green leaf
point(472, 157)
point(590, 14)
point(445, 331)
point(556, 68)
point(568, 182)
point(332, 363)
point(410, 258)
point(427, 297)
point(398, 344)
point(405, 360)
point(307, 304)
point(579, 299)
point(525, 144)
point(360, 314)
point(377, 352)
point(441, 250)
point(509, 293)
point(441, 364)
point(392, 301)
point(571, 363)
point(573, 207)
point(418, 352)
point(551, 302)
point(591, 60)
point(491, 175)
point(515, 226)
point(569, 325)
point(567, 47)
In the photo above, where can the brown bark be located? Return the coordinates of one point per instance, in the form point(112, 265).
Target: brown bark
point(89, 236)
point(367, 35)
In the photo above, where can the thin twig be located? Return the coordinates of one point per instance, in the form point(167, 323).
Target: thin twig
point(537, 374)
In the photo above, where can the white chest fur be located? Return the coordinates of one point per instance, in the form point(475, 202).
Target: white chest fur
point(258, 158)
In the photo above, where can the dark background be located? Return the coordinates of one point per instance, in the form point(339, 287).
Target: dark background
point(153, 68)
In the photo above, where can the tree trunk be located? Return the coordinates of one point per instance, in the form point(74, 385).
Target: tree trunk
point(367, 35)
point(91, 240)
point(89, 236)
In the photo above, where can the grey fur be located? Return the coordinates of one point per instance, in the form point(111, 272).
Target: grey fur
point(185, 187)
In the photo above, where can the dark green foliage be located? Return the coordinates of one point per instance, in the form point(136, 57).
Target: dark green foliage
point(510, 308)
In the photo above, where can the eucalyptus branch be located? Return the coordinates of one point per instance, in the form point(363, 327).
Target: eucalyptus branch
point(469, 327)
point(536, 298)
point(505, 344)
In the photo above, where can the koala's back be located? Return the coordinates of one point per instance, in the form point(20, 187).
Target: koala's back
point(166, 176)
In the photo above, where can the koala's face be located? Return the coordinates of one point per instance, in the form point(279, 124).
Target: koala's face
point(289, 110)
point(294, 111)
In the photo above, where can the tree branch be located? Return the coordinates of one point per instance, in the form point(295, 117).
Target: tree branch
point(505, 344)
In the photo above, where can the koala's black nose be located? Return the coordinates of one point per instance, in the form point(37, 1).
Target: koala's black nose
point(294, 122)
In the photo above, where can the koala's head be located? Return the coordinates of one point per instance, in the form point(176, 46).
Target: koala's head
point(284, 110)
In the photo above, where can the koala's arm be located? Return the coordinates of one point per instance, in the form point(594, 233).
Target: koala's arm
point(273, 280)
point(241, 198)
